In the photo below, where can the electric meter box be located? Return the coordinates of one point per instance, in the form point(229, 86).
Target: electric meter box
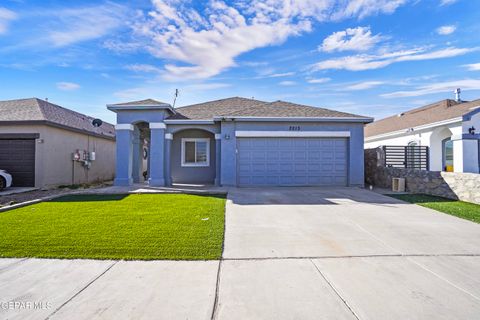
point(76, 156)
point(92, 156)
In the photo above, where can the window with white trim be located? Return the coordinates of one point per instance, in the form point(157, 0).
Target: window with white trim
point(195, 152)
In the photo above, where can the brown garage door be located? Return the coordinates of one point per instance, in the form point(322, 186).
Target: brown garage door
point(17, 156)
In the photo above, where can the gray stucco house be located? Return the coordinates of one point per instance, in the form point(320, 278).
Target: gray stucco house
point(238, 142)
point(38, 140)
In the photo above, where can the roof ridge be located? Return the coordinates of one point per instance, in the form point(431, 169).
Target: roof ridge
point(150, 100)
point(63, 108)
point(246, 108)
point(35, 109)
point(236, 97)
point(318, 108)
point(442, 110)
point(39, 105)
point(418, 109)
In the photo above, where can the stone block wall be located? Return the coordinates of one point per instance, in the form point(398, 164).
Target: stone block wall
point(452, 185)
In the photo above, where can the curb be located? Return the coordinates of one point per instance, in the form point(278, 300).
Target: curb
point(30, 202)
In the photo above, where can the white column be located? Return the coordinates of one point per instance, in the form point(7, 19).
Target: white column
point(465, 154)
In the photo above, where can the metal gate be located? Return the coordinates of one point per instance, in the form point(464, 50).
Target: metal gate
point(413, 157)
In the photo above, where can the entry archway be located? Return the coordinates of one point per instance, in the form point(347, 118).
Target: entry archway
point(437, 146)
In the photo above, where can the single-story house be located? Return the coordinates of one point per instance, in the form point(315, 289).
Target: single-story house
point(447, 128)
point(46, 145)
point(238, 142)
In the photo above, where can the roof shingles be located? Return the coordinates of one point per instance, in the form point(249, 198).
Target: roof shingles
point(243, 107)
point(33, 109)
point(149, 102)
point(435, 112)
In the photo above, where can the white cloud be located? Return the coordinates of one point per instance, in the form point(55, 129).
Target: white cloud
point(319, 80)
point(364, 8)
point(255, 63)
point(363, 85)
point(279, 75)
point(142, 68)
point(446, 30)
point(203, 44)
point(211, 47)
point(188, 93)
point(68, 86)
point(206, 86)
point(351, 39)
point(368, 62)
point(447, 2)
point(82, 24)
point(447, 87)
point(134, 93)
point(287, 83)
point(473, 66)
point(6, 16)
point(121, 46)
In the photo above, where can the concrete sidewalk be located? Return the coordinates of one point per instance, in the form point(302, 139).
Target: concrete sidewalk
point(421, 287)
point(290, 253)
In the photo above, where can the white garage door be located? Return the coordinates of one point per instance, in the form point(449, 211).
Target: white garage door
point(292, 161)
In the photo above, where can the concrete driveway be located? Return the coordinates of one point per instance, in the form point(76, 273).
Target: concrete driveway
point(290, 253)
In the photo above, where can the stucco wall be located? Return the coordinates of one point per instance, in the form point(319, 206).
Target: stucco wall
point(54, 148)
point(200, 175)
point(134, 116)
point(452, 185)
point(428, 137)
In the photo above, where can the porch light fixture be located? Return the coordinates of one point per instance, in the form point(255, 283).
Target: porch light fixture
point(471, 130)
point(227, 137)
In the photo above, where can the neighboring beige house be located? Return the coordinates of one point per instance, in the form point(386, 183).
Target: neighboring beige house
point(449, 128)
point(45, 145)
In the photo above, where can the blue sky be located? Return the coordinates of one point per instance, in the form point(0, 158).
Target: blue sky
point(370, 57)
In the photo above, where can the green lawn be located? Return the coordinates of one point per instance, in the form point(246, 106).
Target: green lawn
point(140, 226)
point(461, 209)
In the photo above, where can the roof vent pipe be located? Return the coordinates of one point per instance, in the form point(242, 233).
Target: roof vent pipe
point(457, 95)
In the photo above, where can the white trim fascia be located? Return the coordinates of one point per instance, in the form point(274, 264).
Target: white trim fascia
point(186, 121)
point(168, 136)
point(157, 125)
point(299, 119)
point(140, 106)
point(124, 126)
point(406, 132)
point(473, 111)
point(292, 134)
point(115, 108)
point(182, 159)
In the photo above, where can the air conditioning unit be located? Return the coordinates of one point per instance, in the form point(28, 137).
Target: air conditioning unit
point(398, 184)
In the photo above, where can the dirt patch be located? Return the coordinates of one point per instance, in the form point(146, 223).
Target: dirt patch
point(11, 199)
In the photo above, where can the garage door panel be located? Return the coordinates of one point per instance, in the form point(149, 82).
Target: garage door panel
point(292, 161)
point(272, 155)
point(18, 158)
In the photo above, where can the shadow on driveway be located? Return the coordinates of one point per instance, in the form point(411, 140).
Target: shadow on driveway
point(307, 196)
